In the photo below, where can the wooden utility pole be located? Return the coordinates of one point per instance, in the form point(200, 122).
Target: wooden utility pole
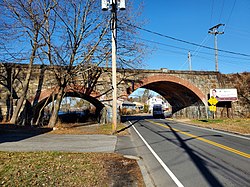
point(214, 30)
point(113, 35)
point(113, 4)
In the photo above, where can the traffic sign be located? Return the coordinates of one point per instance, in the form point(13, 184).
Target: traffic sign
point(213, 101)
point(212, 108)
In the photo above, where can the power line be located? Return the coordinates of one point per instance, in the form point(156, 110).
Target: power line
point(211, 16)
point(163, 44)
point(242, 32)
point(224, 62)
point(230, 14)
point(224, 58)
point(223, 3)
point(184, 41)
point(195, 52)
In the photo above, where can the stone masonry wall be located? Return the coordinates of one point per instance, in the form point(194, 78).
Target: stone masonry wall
point(43, 81)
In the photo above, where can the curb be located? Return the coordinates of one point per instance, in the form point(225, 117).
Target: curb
point(128, 149)
point(145, 174)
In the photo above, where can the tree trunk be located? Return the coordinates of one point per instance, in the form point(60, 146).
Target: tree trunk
point(23, 96)
point(40, 112)
point(54, 116)
point(26, 83)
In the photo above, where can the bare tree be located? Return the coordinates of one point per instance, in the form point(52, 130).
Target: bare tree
point(28, 17)
point(73, 37)
point(85, 45)
point(81, 32)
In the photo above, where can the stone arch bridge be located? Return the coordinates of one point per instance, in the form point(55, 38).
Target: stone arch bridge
point(186, 91)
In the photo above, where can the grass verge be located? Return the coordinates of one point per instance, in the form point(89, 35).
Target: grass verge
point(68, 169)
point(89, 129)
point(241, 126)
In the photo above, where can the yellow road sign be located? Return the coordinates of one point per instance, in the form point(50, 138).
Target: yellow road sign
point(213, 101)
point(212, 108)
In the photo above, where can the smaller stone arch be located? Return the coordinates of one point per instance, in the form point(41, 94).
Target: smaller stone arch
point(46, 98)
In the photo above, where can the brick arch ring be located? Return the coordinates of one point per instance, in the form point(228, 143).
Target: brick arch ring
point(92, 98)
point(174, 79)
point(48, 92)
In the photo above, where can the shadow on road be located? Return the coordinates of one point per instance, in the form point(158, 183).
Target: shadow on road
point(197, 160)
point(14, 133)
point(137, 118)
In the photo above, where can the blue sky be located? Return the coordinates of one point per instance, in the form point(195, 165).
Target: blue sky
point(190, 21)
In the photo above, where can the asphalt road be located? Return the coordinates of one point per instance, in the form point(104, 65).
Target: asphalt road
point(176, 154)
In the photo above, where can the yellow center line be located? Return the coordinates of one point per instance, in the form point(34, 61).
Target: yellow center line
point(246, 155)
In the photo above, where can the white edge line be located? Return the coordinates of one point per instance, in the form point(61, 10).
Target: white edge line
point(170, 173)
point(213, 130)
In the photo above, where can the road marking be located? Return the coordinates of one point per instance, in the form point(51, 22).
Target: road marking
point(170, 173)
point(246, 155)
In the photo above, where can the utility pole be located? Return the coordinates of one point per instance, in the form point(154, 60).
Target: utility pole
point(189, 61)
point(113, 5)
point(214, 30)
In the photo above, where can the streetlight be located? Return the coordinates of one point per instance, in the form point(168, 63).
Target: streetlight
point(113, 5)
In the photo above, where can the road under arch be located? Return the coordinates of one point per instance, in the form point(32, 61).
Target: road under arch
point(178, 92)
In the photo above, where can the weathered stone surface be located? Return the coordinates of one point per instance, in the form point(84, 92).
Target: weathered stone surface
point(186, 91)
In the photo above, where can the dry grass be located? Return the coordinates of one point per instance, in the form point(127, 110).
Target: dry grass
point(89, 129)
point(68, 169)
point(241, 126)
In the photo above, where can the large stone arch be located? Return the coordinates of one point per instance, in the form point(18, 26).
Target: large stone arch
point(179, 92)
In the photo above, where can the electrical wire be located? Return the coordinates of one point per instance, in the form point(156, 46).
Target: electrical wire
point(222, 10)
point(231, 12)
point(223, 61)
point(184, 41)
point(197, 50)
point(195, 53)
point(210, 58)
point(163, 44)
point(211, 12)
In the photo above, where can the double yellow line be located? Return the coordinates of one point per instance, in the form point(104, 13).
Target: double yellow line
point(246, 155)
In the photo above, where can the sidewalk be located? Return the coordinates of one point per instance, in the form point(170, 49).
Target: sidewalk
point(54, 142)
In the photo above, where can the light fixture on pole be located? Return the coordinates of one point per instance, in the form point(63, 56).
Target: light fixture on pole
point(113, 5)
point(214, 30)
